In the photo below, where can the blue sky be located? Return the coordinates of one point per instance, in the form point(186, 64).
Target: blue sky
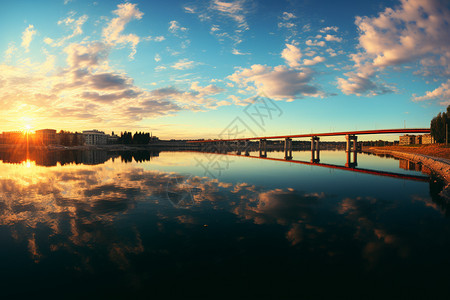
point(195, 69)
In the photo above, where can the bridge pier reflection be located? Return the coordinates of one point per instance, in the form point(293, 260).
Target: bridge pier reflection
point(262, 148)
point(315, 149)
point(288, 149)
point(352, 163)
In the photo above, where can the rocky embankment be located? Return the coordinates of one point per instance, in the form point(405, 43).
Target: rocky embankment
point(439, 165)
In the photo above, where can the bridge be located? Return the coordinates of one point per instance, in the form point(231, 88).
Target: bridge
point(350, 136)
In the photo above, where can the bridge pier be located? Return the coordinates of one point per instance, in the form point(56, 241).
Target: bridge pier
point(351, 142)
point(288, 149)
point(246, 148)
point(262, 148)
point(315, 149)
point(238, 147)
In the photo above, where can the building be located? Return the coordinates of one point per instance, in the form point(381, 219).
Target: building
point(113, 139)
point(427, 139)
point(46, 136)
point(418, 139)
point(407, 139)
point(95, 137)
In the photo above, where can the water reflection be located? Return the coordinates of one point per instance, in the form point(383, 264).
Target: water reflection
point(50, 158)
point(134, 230)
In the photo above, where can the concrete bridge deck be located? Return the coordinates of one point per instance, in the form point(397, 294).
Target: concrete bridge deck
point(357, 132)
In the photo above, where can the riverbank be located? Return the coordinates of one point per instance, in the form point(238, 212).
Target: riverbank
point(436, 157)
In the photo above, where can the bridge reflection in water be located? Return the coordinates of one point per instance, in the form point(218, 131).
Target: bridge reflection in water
point(351, 164)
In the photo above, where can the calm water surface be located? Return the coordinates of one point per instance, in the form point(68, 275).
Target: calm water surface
point(185, 224)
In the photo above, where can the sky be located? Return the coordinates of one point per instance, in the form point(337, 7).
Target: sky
point(216, 69)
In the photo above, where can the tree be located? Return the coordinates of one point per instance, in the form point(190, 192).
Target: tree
point(438, 126)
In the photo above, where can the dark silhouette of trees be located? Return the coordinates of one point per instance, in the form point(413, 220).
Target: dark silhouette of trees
point(64, 138)
point(438, 124)
point(138, 138)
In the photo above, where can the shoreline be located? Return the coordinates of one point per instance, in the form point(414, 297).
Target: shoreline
point(440, 166)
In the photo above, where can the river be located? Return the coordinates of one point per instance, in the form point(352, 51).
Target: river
point(94, 224)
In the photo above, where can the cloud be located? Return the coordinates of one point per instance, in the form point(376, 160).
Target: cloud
point(314, 61)
point(10, 51)
point(442, 93)
point(109, 81)
point(329, 28)
point(234, 9)
point(358, 84)
point(157, 57)
point(414, 31)
point(279, 83)
point(97, 97)
point(292, 55)
point(198, 98)
point(75, 25)
point(176, 27)
point(332, 38)
point(27, 37)
point(315, 43)
point(86, 56)
point(189, 10)
point(207, 90)
point(183, 64)
point(112, 34)
point(237, 52)
point(287, 16)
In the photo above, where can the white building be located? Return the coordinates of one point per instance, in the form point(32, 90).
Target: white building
point(95, 137)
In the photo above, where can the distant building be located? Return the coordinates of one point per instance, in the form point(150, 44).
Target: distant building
point(95, 137)
point(407, 139)
point(113, 139)
point(418, 140)
point(46, 136)
point(427, 139)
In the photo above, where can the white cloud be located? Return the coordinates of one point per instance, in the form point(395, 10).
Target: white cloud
point(10, 51)
point(75, 25)
point(332, 38)
point(27, 37)
point(206, 90)
point(287, 16)
point(442, 93)
point(292, 55)
point(329, 28)
point(113, 32)
point(234, 9)
point(189, 10)
point(416, 30)
point(157, 57)
point(315, 43)
point(278, 83)
point(175, 27)
point(314, 61)
point(183, 64)
point(237, 52)
point(358, 84)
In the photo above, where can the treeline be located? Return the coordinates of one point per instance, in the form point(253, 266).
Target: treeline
point(438, 126)
point(67, 138)
point(139, 138)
